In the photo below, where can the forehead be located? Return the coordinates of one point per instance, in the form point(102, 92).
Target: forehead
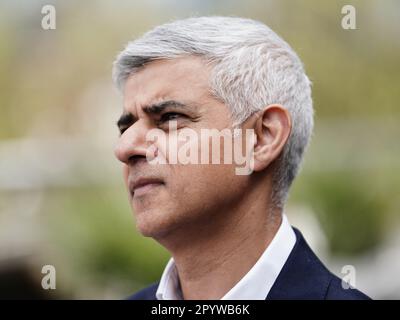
point(181, 78)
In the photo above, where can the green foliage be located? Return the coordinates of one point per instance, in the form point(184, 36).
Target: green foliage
point(349, 210)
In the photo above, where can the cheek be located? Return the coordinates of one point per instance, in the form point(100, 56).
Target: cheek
point(203, 180)
point(179, 147)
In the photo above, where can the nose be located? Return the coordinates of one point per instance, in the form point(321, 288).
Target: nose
point(132, 143)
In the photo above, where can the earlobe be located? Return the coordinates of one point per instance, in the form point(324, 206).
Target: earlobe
point(272, 128)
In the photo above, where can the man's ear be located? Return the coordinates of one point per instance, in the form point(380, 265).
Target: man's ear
point(272, 129)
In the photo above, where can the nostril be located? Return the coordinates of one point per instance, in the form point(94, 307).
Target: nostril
point(136, 159)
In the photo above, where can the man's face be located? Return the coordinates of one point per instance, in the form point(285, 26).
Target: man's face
point(174, 195)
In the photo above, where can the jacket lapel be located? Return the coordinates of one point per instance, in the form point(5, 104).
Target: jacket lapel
point(303, 276)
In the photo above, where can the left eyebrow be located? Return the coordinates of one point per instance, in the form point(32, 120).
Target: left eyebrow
point(127, 119)
point(157, 108)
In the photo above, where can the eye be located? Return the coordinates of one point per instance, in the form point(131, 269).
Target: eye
point(170, 116)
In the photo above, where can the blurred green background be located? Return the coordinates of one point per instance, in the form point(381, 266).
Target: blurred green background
point(62, 200)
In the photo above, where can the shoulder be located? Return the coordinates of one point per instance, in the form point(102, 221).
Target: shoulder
point(304, 276)
point(336, 291)
point(148, 293)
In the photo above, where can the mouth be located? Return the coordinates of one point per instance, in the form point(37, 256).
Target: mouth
point(143, 186)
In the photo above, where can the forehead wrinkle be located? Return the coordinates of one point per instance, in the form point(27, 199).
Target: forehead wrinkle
point(140, 87)
point(137, 106)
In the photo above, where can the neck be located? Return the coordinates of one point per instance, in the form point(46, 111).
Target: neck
point(212, 256)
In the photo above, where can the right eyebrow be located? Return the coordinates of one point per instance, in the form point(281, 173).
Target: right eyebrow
point(125, 120)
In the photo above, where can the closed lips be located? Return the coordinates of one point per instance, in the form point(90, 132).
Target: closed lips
point(139, 183)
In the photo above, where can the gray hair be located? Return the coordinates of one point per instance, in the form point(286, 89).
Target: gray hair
point(252, 67)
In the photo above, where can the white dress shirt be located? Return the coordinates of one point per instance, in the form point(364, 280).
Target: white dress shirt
point(258, 281)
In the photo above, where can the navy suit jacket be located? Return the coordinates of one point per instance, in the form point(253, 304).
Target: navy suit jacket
point(303, 276)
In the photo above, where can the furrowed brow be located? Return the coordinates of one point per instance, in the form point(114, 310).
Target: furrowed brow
point(128, 119)
point(157, 108)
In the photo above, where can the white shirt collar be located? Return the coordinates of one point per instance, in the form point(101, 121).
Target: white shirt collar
point(256, 284)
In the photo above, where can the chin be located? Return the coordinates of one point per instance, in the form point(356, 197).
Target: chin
point(153, 224)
